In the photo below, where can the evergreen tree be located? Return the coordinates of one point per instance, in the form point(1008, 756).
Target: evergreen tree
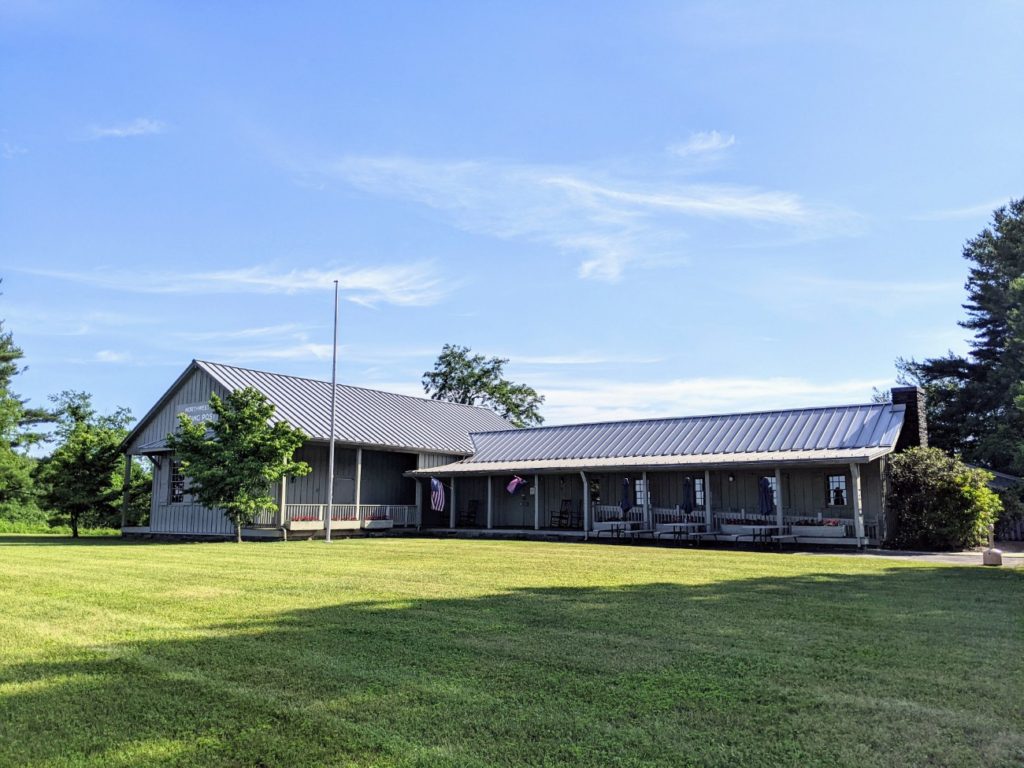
point(976, 402)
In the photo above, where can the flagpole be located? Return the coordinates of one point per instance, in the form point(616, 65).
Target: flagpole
point(334, 397)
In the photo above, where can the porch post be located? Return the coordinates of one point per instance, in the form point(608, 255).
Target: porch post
point(779, 521)
point(419, 502)
point(282, 502)
point(647, 502)
point(359, 486)
point(708, 520)
point(126, 490)
point(490, 502)
point(858, 508)
point(536, 502)
point(451, 512)
point(586, 504)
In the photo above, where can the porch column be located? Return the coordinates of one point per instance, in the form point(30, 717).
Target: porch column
point(708, 520)
point(419, 502)
point(536, 502)
point(858, 506)
point(586, 504)
point(490, 502)
point(359, 485)
point(451, 513)
point(126, 491)
point(779, 521)
point(647, 502)
point(282, 503)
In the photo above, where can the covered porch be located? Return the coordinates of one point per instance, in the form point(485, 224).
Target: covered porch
point(816, 503)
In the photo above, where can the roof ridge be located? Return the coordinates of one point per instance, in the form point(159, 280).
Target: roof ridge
point(354, 386)
point(696, 416)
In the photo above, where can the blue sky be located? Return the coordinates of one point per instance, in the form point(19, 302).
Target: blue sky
point(650, 208)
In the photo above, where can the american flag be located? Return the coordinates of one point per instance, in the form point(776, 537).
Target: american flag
point(436, 495)
point(513, 486)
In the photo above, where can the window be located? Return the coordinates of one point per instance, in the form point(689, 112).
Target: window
point(698, 492)
point(642, 492)
point(176, 493)
point(837, 490)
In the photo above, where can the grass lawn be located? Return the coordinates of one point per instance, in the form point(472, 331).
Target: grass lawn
point(466, 653)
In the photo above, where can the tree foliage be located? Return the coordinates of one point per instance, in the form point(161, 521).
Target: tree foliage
point(233, 461)
point(461, 377)
point(16, 427)
point(83, 477)
point(938, 501)
point(976, 402)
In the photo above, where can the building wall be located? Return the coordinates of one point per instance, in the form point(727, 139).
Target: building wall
point(555, 488)
point(196, 388)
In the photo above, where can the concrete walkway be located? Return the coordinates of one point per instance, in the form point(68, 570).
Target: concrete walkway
point(1013, 555)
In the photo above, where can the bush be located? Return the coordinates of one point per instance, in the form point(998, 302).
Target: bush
point(938, 501)
point(22, 513)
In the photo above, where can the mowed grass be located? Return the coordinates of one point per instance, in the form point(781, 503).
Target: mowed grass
point(419, 652)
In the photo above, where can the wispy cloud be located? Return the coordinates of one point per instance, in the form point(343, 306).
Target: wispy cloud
point(573, 401)
point(978, 210)
point(401, 284)
point(140, 126)
point(262, 332)
point(703, 143)
point(611, 221)
point(110, 356)
point(10, 151)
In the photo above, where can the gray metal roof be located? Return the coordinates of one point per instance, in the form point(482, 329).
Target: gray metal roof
point(364, 416)
point(842, 433)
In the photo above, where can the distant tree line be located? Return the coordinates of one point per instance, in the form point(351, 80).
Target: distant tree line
point(61, 465)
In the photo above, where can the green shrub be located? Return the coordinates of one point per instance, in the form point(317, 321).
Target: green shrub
point(22, 513)
point(938, 501)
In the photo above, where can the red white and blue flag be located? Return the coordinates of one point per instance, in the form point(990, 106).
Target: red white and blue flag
point(513, 486)
point(436, 495)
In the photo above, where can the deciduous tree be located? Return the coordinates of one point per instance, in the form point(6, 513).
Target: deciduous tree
point(461, 377)
point(233, 460)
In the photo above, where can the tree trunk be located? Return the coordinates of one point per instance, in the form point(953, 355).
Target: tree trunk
point(74, 526)
point(238, 532)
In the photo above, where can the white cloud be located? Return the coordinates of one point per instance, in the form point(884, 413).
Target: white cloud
point(703, 143)
point(110, 356)
point(140, 126)
point(401, 284)
point(612, 222)
point(976, 211)
point(573, 401)
point(10, 151)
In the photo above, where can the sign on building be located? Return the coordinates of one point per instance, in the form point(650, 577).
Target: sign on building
point(198, 412)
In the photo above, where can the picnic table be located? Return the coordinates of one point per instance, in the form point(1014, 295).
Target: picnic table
point(678, 530)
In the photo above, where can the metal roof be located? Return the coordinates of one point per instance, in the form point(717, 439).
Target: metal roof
point(841, 433)
point(364, 416)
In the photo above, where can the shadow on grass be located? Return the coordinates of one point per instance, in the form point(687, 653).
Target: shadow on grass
point(909, 666)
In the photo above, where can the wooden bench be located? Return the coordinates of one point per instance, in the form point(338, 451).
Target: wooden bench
point(790, 537)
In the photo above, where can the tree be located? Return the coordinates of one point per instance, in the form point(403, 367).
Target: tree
point(460, 377)
point(938, 501)
point(83, 476)
point(234, 460)
point(15, 420)
point(976, 402)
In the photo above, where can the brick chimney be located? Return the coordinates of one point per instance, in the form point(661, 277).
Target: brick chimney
point(915, 421)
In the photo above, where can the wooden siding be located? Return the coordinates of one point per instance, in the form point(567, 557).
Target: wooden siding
point(430, 460)
point(512, 510)
point(188, 518)
point(196, 388)
point(555, 488)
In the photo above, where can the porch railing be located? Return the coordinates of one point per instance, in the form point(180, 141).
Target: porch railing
point(604, 513)
point(401, 515)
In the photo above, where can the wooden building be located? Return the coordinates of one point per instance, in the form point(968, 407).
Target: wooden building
point(380, 437)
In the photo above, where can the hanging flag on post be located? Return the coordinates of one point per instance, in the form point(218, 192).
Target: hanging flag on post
point(513, 486)
point(436, 495)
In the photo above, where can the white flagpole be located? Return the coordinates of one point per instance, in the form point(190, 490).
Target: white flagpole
point(330, 450)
